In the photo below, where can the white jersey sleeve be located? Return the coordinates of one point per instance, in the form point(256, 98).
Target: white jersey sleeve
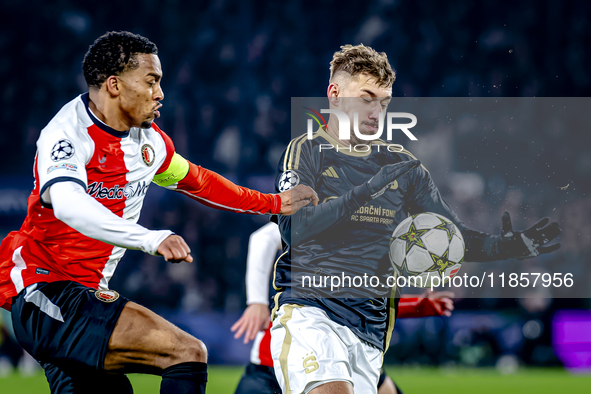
point(262, 248)
point(84, 214)
point(63, 150)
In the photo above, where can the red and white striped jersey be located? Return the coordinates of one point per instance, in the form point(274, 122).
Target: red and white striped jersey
point(116, 169)
point(260, 354)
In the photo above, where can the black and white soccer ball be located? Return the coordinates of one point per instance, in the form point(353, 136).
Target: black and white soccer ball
point(63, 149)
point(288, 180)
point(427, 245)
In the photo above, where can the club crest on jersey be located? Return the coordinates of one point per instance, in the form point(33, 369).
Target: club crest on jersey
point(288, 180)
point(148, 154)
point(106, 295)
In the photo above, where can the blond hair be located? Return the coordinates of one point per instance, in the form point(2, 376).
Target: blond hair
point(359, 59)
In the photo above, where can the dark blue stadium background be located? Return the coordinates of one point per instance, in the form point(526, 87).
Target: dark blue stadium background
point(230, 69)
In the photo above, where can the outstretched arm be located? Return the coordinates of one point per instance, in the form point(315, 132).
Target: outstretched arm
point(84, 214)
point(520, 245)
point(310, 221)
point(213, 190)
point(480, 246)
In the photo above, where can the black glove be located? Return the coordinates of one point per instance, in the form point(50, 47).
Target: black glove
point(527, 243)
point(386, 176)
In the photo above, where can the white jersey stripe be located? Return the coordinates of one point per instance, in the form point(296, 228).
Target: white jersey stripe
point(137, 177)
point(255, 351)
point(43, 303)
point(110, 266)
point(16, 273)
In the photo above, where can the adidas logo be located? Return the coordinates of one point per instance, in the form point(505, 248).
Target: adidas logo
point(330, 172)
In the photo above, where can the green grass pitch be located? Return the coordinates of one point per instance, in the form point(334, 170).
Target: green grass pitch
point(223, 380)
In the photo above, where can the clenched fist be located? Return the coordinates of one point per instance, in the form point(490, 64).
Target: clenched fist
point(175, 249)
point(294, 199)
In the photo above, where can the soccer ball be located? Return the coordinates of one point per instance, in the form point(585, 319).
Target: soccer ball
point(63, 149)
point(425, 246)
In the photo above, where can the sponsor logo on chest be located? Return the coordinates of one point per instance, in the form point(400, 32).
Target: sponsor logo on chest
point(130, 190)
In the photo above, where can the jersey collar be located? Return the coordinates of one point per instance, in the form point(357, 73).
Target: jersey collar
point(99, 123)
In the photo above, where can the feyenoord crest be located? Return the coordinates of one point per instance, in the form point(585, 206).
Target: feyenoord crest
point(148, 154)
point(106, 295)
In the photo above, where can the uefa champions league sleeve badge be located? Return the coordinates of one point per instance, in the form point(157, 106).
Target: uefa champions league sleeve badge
point(63, 149)
point(288, 180)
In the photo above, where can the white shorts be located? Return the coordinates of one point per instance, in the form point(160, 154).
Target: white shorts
point(309, 350)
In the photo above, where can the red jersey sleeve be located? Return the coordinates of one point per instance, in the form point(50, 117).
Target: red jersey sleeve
point(420, 307)
point(209, 188)
point(214, 190)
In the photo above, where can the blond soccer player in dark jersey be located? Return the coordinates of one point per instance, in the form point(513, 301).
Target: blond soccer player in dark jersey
point(322, 342)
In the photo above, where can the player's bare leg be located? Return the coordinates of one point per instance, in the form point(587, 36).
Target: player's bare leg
point(143, 342)
point(387, 387)
point(334, 388)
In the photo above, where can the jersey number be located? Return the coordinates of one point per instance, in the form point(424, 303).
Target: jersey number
point(310, 364)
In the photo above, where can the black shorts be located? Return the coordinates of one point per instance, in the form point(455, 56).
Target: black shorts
point(66, 323)
point(258, 379)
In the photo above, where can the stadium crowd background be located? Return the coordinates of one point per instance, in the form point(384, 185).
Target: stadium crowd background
point(230, 69)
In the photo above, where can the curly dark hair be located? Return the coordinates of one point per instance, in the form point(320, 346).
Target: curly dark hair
point(113, 53)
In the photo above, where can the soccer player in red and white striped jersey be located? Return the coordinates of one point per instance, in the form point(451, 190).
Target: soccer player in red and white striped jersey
point(95, 161)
